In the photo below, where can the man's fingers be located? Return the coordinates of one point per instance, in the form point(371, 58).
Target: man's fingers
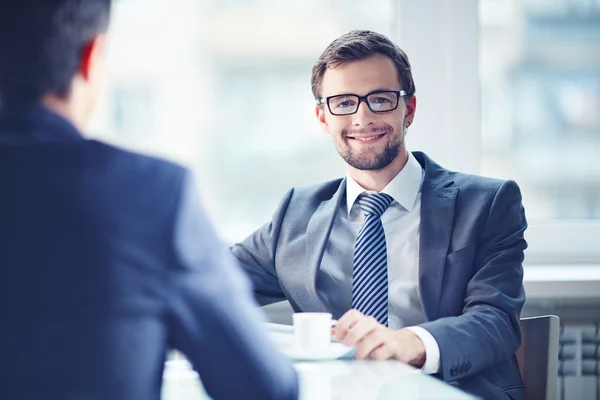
point(347, 320)
point(370, 342)
point(383, 352)
point(360, 330)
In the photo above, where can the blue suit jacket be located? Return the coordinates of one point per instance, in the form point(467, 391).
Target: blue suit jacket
point(107, 261)
point(470, 268)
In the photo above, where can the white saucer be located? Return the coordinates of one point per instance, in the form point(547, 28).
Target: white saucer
point(334, 351)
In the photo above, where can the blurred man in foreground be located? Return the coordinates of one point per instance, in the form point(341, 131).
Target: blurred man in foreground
point(101, 271)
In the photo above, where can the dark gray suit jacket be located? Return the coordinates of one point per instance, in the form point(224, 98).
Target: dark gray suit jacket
point(470, 268)
point(107, 261)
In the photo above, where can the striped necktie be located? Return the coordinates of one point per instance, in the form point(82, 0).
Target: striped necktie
point(370, 274)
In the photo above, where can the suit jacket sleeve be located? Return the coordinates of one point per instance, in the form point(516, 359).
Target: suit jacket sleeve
point(488, 329)
point(213, 318)
point(257, 256)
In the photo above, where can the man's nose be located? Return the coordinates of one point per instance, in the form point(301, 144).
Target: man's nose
point(363, 116)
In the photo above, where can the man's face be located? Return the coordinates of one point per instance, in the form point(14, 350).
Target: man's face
point(366, 140)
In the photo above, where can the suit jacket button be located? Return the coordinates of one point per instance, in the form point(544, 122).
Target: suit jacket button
point(468, 365)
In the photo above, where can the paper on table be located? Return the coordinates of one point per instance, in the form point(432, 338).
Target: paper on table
point(287, 328)
point(279, 327)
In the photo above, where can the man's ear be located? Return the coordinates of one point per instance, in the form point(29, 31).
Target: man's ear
point(411, 108)
point(320, 113)
point(90, 56)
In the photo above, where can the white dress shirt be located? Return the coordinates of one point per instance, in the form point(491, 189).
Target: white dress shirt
point(401, 223)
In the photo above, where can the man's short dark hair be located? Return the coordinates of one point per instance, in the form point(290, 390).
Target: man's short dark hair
point(356, 46)
point(41, 44)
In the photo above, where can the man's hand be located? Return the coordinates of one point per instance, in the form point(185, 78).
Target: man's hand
point(378, 342)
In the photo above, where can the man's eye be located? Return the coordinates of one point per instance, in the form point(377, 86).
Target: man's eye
point(381, 100)
point(344, 104)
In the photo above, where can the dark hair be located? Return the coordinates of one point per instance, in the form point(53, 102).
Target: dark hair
point(358, 45)
point(41, 44)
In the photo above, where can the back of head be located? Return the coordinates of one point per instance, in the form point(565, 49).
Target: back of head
point(41, 45)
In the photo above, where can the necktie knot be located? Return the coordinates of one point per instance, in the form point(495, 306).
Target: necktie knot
point(374, 204)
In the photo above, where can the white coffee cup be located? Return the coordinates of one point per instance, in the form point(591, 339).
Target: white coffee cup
point(312, 330)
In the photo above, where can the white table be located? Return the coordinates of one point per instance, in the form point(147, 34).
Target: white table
point(332, 380)
point(345, 379)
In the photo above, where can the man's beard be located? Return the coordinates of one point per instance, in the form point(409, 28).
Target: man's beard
point(368, 161)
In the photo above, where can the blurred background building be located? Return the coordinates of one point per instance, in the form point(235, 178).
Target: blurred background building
point(540, 76)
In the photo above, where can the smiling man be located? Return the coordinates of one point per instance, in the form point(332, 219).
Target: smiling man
point(418, 263)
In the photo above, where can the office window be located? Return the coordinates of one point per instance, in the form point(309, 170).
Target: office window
point(224, 87)
point(540, 83)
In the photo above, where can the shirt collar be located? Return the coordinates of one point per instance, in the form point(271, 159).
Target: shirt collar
point(404, 188)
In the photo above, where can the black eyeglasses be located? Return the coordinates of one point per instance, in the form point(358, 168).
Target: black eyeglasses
point(378, 102)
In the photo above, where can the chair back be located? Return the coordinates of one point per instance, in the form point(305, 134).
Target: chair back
point(538, 356)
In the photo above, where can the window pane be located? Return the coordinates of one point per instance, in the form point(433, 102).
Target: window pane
point(540, 69)
point(224, 86)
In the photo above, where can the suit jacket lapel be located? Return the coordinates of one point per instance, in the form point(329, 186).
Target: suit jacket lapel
point(317, 237)
point(437, 221)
